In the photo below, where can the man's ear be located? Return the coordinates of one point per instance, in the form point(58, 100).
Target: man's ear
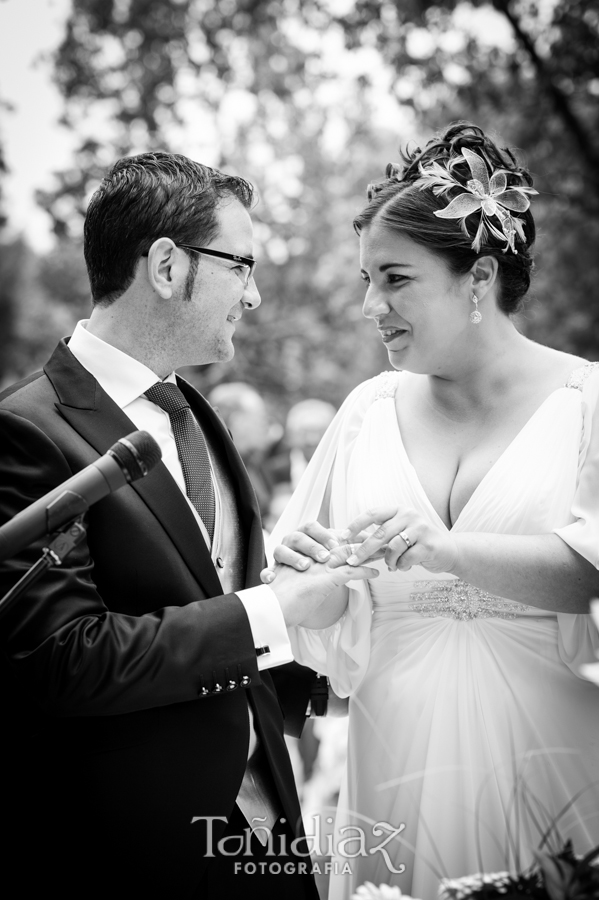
point(162, 261)
point(483, 275)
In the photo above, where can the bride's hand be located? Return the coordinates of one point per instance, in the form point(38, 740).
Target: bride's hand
point(311, 542)
point(407, 539)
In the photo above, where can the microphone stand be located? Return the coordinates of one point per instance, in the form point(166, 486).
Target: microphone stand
point(65, 539)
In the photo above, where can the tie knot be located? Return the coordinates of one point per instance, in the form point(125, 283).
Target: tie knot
point(167, 396)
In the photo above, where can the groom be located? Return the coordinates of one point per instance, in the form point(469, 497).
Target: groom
point(142, 750)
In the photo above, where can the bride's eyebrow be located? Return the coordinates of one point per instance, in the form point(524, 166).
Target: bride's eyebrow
point(386, 266)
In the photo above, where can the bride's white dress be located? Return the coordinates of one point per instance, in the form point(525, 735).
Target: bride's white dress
point(469, 721)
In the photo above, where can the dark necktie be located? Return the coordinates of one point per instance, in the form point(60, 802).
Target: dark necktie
point(191, 448)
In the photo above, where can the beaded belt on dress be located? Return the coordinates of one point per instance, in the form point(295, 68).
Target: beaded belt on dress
point(457, 599)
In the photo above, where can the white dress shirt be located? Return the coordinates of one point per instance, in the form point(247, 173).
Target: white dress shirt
point(125, 380)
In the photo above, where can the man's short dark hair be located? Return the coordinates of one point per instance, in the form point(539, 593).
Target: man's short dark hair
point(144, 198)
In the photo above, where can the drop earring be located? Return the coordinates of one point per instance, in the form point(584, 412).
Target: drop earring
point(475, 315)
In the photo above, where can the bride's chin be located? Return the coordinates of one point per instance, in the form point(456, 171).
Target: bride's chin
point(404, 362)
point(397, 358)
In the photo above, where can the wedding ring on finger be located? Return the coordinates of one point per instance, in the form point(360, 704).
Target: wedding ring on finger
point(404, 536)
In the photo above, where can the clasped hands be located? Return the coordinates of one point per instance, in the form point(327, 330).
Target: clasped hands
point(401, 537)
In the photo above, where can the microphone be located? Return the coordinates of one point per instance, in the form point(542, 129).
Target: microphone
point(130, 458)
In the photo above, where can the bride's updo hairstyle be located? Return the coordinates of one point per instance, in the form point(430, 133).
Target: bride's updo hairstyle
point(491, 218)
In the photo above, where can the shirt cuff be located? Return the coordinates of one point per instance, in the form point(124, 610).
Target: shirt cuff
point(268, 625)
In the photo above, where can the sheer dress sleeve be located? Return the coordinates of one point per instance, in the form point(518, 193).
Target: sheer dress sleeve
point(341, 651)
point(578, 636)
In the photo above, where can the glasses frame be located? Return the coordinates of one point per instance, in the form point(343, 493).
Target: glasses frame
point(245, 261)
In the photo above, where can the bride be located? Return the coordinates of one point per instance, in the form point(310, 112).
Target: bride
point(474, 468)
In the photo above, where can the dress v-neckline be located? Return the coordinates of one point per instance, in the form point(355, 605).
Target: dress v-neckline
point(487, 474)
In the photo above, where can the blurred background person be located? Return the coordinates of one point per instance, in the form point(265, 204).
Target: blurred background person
point(305, 426)
point(275, 459)
point(245, 414)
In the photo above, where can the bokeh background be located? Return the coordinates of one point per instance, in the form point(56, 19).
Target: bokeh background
point(308, 99)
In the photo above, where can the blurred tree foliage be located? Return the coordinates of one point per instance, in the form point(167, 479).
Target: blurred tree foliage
point(8, 274)
point(40, 297)
point(148, 73)
point(294, 97)
point(528, 71)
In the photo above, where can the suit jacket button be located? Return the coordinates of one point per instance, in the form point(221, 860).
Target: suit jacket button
point(217, 688)
point(204, 692)
point(232, 685)
point(245, 680)
point(220, 562)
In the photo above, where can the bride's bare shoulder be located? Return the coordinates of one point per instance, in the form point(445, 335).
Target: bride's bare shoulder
point(570, 360)
point(556, 363)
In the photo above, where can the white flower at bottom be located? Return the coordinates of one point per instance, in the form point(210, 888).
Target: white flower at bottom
point(462, 888)
point(369, 891)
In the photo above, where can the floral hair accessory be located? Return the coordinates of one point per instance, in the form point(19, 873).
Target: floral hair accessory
point(492, 196)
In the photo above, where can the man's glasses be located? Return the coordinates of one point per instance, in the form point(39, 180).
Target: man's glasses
point(245, 264)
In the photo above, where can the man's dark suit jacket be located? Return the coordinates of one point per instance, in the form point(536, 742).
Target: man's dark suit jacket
point(110, 747)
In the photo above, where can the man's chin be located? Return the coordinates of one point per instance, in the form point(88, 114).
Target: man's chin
point(228, 352)
point(224, 352)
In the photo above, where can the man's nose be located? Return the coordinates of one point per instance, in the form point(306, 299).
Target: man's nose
point(251, 296)
point(374, 304)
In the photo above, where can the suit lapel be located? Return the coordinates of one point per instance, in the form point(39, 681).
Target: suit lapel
point(249, 512)
point(100, 422)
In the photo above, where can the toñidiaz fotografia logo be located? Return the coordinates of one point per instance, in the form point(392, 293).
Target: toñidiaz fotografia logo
point(350, 842)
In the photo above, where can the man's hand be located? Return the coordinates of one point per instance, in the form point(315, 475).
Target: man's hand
point(310, 542)
point(311, 597)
